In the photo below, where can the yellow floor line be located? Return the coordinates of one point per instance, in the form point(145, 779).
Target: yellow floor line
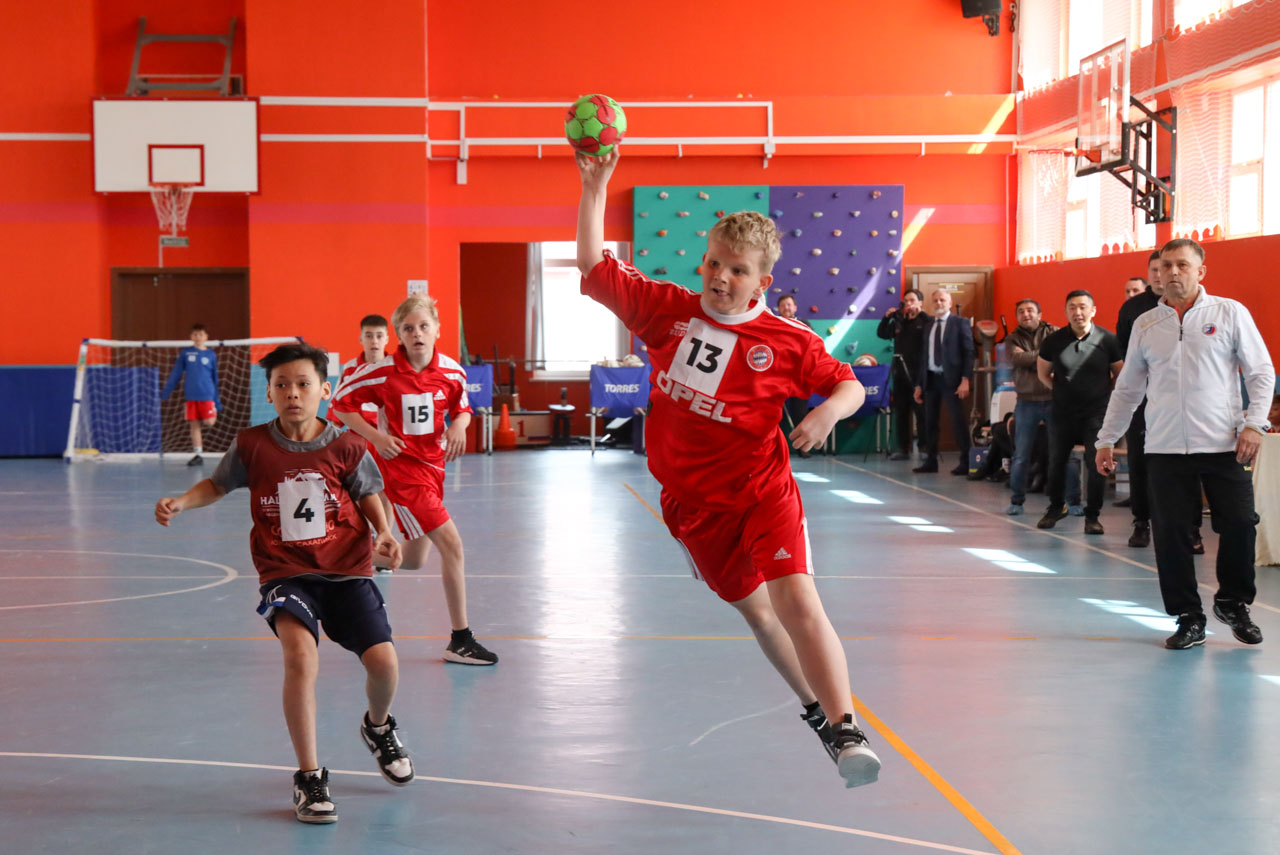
point(958, 801)
point(640, 498)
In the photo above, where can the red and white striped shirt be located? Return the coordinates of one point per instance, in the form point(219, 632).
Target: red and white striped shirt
point(411, 405)
point(370, 410)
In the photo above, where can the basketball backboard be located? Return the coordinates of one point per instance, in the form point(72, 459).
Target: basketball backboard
point(211, 144)
point(1103, 107)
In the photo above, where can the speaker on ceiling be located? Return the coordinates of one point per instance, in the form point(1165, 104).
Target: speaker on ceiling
point(980, 8)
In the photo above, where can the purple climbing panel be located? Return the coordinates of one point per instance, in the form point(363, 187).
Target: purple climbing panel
point(841, 248)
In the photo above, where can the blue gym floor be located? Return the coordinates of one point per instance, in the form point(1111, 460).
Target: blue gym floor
point(1020, 699)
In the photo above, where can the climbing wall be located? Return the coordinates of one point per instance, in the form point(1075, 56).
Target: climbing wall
point(841, 249)
point(671, 225)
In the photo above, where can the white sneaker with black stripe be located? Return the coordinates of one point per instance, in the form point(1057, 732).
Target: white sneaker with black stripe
point(311, 801)
point(857, 763)
point(393, 758)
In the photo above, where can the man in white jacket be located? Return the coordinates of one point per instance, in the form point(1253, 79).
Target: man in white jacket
point(1185, 356)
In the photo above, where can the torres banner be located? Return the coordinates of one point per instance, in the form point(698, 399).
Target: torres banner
point(480, 386)
point(625, 388)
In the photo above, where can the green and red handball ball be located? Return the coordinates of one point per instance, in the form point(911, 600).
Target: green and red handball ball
point(595, 124)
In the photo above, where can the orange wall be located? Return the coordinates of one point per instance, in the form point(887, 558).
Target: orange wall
point(1235, 270)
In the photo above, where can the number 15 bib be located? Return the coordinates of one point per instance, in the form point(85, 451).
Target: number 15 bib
point(702, 357)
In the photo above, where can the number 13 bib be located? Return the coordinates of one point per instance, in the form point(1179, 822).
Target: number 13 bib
point(702, 357)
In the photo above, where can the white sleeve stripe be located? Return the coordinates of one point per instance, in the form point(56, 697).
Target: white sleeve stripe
point(351, 387)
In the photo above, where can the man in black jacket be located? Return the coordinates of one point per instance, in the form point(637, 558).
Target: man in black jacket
point(905, 325)
point(946, 370)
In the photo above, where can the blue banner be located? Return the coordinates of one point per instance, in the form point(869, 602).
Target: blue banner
point(875, 379)
point(623, 388)
point(480, 386)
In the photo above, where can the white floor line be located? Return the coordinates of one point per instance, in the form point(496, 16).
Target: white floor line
point(1074, 541)
point(716, 727)
point(840, 829)
point(409, 575)
point(229, 572)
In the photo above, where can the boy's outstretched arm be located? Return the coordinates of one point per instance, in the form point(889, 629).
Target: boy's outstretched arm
point(204, 493)
point(845, 400)
point(595, 172)
point(385, 544)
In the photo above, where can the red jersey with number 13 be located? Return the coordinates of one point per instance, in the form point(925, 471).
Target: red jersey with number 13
point(719, 383)
point(411, 405)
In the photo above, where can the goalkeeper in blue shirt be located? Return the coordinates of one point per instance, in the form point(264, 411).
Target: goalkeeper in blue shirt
point(197, 366)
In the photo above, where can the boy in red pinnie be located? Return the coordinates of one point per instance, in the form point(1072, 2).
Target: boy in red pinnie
point(414, 389)
point(723, 365)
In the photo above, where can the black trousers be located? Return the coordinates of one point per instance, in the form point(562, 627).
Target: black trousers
point(1175, 481)
point(903, 404)
point(1066, 429)
point(1136, 442)
point(934, 397)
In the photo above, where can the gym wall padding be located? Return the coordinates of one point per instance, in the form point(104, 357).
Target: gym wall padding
point(36, 402)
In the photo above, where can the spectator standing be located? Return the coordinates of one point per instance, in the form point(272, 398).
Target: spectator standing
point(1185, 354)
point(905, 326)
point(946, 363)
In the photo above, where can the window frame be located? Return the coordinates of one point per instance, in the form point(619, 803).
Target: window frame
point(535, 331)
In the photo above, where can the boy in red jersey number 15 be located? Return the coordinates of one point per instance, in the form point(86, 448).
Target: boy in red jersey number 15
point(311, 489)
point(723, 365)
point(414, 389)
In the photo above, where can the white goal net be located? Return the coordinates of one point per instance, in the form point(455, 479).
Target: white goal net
point(117, 411)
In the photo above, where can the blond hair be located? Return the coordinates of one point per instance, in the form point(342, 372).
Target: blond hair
point(745, 230)
point(415, 303)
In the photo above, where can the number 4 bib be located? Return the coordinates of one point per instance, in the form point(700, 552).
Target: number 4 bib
point(301, 510)
point(702, 357)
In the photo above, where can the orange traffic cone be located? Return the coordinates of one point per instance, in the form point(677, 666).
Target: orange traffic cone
point(504, 438)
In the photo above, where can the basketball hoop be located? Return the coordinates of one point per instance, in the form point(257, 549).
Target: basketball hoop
point(172, 203)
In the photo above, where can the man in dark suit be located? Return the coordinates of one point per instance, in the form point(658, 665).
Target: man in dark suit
point(946, 370)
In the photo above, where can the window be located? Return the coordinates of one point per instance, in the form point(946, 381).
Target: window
point(1055, 34)
point(1082, 237)
point(567, 332)
point(1244, 191)
point(1188, 13)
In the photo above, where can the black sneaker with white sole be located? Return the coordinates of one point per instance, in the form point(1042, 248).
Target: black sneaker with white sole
point(311, 801)
point(1190, 632)
point(857, 763)
point(468, 651)
point(817, 719)
point(388, 750)
point(1235, 614)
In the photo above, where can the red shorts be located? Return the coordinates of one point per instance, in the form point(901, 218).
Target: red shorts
point(734, 551)
point(419, 508)
point(201, 411)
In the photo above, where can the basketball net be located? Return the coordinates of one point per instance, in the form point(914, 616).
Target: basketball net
point(172, 202)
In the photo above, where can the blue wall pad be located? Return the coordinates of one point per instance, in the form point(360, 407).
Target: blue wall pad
point(841, 248)
point(36, 402)
point(666, 222)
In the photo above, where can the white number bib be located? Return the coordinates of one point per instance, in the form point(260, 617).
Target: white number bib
point(417, 414)
point(702, 357)
point(301, 510)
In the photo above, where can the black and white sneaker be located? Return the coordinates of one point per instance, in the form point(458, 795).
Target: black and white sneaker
point(857, 763)
point(469, 652)
point(817, 720)
point(196, 461)
point(388, 750)
point(1235, 614)
point(311, 802)
point(1190, 632)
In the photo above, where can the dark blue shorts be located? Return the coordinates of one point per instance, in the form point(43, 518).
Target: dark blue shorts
point(352, 611)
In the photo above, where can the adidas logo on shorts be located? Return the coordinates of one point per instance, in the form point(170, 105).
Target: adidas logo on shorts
point(781, 554)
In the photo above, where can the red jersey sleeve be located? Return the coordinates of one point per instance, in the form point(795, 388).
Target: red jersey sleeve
point(362, 386)
point(820, 371)
point(633, 297)
point(457, 402)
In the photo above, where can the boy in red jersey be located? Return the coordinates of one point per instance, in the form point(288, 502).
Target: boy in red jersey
point(373, 346)
point(414, 389)
point(311, 489)
point(723, 365)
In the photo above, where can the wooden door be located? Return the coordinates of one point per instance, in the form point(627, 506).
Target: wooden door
point(159, 304)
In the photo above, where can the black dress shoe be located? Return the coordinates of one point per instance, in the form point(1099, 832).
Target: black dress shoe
point(1092, 526)
point(960, 469)
point(925, 468)
point(1051, 517)
point(1236, 615)
point(1141, 536)
point(1190, 632)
